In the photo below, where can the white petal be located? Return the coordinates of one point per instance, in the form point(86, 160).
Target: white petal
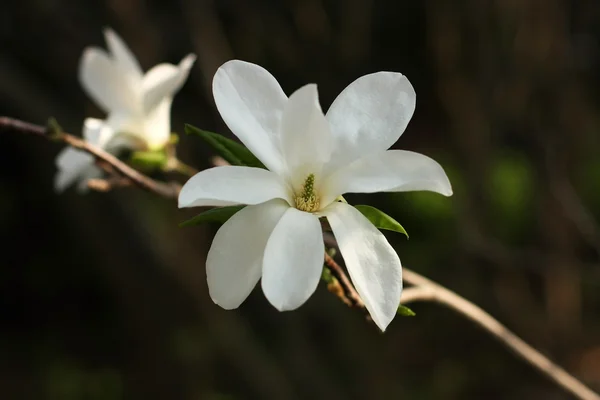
point(104, 82)
point(372, 263)
point(164, 80)
point(232, 185)
point(139, 132)
point(370, 115)
point(390, 171)
point(293, 260)
point(122, 55)
point(305, 136)
point(234, 261)
point(96, 132)
point(72, 165)
point(92, 129)
point(157, 129)
point(251, 103)
point(121, 131)
point(92, 172)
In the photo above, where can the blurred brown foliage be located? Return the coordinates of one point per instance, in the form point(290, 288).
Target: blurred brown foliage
point(104, 297)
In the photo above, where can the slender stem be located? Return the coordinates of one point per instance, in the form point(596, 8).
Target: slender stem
point(351, 295)
point(106, 185)
point(167, 190)
point(174, 164)
point(427, 290)
point(178, 166)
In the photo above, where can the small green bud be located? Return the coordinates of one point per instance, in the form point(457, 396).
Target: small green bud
point(55, 131)
point(405, 312)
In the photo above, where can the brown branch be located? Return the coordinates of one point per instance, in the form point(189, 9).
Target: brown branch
point(426, 290)
point(219, 161)
point(106, 185)
point(174, 164)
point(167, 190)
point(349, 295)
point(415, 293)
point(431, 291)
point(337, 290)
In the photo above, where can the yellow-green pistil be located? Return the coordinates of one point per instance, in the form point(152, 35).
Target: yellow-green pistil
point(308, 200)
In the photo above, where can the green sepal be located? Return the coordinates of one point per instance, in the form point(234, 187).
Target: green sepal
point(404, 311)
point(381, 220)
point(149, 160)
point(233, 152)
point(220, 214)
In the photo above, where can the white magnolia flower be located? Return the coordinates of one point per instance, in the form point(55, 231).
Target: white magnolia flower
point(311, 159)
point(138, 106)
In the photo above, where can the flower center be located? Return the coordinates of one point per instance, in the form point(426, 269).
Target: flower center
point(308, 200)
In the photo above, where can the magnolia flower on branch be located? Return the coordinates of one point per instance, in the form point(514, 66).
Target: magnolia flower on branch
point(312, 160)
point(138, 106)
point(423, 289)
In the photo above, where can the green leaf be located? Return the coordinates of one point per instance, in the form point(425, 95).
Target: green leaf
point(233, 152)
point(405, 312)
point(380, 219)
point(220, 214)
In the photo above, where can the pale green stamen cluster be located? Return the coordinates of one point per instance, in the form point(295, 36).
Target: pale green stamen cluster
point(307, 200)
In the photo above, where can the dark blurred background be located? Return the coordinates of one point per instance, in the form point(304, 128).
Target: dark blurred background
point(103, 297)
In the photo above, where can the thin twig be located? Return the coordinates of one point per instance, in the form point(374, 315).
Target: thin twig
point(219, 161)
point(351, 295)
point(415, 293)
point(167, 190)
point(431, 291)
point(106, 185)
point(175, 165)
point(334, 287)
point(426, 290)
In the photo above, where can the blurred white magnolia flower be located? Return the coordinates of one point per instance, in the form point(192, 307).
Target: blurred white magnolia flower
point(311, 159)
point(138, 106)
